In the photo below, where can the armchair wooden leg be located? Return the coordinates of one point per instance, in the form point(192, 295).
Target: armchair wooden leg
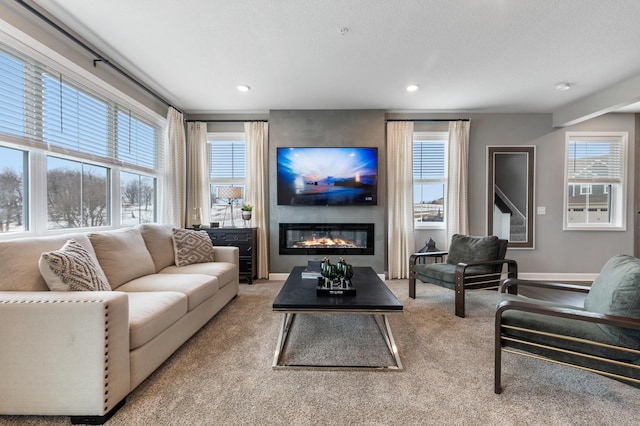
point(497, 385)
point(412, 286)
point(459, 296)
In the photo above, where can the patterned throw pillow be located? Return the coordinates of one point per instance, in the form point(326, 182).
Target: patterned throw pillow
point(72, 269)
point(192, 247)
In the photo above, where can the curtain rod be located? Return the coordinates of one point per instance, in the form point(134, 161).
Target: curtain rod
point(99, 57)
point(435, 120)
point(226, 121)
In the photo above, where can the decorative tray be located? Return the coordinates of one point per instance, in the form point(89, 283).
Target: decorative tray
point(343, 288)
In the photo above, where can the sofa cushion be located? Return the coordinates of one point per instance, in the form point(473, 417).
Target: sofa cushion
point(19, 266)
point(123, 255)
point(72, 268)
point(159, 241)
point(466, 248)
point(616, 291)
point(441, 273)
point(196, 287)
point(225, 272)
point(152, 313)
point(192, 247)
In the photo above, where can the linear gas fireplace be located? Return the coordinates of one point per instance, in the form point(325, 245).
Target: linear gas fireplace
point(326, 238)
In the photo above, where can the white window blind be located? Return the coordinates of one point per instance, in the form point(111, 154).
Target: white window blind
point(43, 107)
point(227, 160)
point(428, 159)
point(73, 119)
point(12, 100)
point(138, 142)
point(595, 160)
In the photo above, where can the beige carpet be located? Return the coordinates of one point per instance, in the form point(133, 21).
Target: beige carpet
point(223, 376)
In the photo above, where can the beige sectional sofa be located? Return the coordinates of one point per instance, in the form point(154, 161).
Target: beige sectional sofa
point(79, 353)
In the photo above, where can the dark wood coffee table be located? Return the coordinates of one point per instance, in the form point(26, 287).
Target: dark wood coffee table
point(373, 297)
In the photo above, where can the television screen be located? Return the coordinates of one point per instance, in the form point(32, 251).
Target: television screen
point(327, 176)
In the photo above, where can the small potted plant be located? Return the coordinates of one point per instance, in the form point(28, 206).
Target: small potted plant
point(246, 211)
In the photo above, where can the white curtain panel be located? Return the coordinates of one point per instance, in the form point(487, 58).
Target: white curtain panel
point(401, 242)
point(256, 188)
point(457, 180)
point(172, 196)
point(198, 193)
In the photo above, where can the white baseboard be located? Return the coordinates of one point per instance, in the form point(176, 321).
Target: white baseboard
point(278, 276)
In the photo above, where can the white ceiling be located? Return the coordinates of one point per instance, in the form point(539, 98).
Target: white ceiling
point(466, 55)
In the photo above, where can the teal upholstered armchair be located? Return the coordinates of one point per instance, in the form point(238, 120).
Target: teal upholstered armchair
point(603, 336)
point(471, 263)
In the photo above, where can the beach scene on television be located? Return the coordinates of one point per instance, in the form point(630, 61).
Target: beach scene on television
point(327, 176)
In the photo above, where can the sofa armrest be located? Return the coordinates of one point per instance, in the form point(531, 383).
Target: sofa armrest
point(227, 254)
point(63, 353)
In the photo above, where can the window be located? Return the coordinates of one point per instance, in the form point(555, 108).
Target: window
point(13, 192)
point(595, 198)
point(75, 142)
point(137, 202)
point(76, 194)
point(227, 167)
point(429, 179)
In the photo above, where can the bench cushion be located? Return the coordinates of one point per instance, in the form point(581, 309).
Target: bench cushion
point(197, 287)
point(153, 312)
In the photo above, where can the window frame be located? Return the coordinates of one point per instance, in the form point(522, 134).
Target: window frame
point(618, 201)
point(144, 132)
point(426, 136)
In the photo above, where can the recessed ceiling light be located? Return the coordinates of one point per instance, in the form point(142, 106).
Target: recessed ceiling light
point(412, 87)
point(563, 87)
point(244, 88)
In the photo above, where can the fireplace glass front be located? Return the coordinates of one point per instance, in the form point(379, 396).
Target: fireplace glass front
point(326, 238)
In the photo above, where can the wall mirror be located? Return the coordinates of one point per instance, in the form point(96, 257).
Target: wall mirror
point(510, 190)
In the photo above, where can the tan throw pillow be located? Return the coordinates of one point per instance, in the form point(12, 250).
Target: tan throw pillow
point(192, 247)
point(72, 269)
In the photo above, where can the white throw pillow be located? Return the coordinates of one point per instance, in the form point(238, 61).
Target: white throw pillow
point(72, 269)
point(192, 247)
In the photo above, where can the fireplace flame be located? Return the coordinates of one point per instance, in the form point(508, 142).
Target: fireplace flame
point(325, 243)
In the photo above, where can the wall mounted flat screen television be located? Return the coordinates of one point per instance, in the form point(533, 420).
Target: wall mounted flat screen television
point(341, 176)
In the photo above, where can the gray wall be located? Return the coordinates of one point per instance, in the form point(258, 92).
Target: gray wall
point(326, 129)
point(556, 251)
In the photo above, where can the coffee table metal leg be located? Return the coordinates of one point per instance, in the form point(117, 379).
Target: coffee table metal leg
point(287, 319)
point(385, 328)
point(381, 321)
